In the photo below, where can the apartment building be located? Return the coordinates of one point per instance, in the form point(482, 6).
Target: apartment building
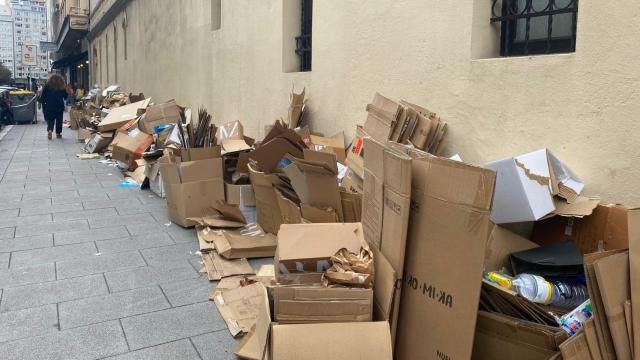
point(6, 38)
point(30, 28)
point(69, 25)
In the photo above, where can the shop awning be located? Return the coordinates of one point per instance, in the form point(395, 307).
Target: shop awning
point(68, 60)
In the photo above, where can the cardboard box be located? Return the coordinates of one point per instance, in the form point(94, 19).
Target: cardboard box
point(128, 149)
point(499, 336)
point(599, 315)
point(314, 179)
point(351, 206)
point(161, 114)
point(576, 348)
point(196, 154)
point(612, 273)
point(268, 211)
point(84, 134)
point(249, 241)
point(119, 116)
point(606, 229)
point(192, 188)
point(526, 185)
point(386, 207)
point(314, 304)
point(382, 115)
point(352, 182)
point(157, 187)
point(336, 341)
point(306, 248)
point(98, 142)
point(592, 338)
point(448, 231)
point(334, 145)
point(634, 269)
point(355, 153)
point(242, 195)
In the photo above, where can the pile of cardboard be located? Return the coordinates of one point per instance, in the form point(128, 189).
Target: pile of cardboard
point(381, 242)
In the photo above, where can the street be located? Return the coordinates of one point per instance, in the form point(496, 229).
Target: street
point(91, 271)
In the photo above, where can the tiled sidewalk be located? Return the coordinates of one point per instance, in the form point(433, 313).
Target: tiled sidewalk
point(90, 271)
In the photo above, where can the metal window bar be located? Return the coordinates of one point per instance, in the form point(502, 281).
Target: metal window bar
point(521, 20)
point(303, 42)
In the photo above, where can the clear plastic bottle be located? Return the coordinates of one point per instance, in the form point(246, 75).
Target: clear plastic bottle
point(560, 293)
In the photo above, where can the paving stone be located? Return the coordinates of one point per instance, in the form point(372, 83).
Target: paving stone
point(120, 220)
point(74, 237)
point(172, 324)
point(53, 292)
point(26, 243)
point(25, 220)
point(217, 345)
point(29, 275)
point(165, 255)
point(181, 349)
point(4, 260)
point(83, 343)
point(191, 291)
point(78, 198)
point(102, 204)
point(133, 243)
point(99, 264)
point(148, 275)
point(51, 195)
point(140, 208)
point(9, 213)
point(28, 322)
point(39, 209)
point(74, 225)
point(84, 214)
point(182, 235)
point(140, 229)
point(114, 306)
point(52, 254)
point(7, 233)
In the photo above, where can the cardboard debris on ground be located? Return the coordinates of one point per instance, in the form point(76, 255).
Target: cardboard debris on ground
point(245, 242)
point(239, 307)
point(359, 340)
point(98, 142)
point(268, 211)
point(218, 267)
point(592, 339)
point(255, 345)
point(129, 147)
point(88, 156)
point(576, 348)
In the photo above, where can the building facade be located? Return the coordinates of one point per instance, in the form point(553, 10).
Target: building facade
point(6, 38)
point(30, 28)
point(69, 25)
point(502, 89)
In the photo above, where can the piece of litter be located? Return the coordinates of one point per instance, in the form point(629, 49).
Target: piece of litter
point(168, 224)
point(198, 252)
point(128, 183)
point(98, 253)
point(88, 156)
point(110, 174)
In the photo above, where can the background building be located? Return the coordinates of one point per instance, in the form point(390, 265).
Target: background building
point(238, 58)
point(69, 25)
point(6, 38)
point(30, 28)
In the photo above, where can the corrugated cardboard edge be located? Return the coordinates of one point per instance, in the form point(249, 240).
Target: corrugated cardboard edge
point(628, 316)
point(575, 348)
point(592, 339)
point(254, 345)
point(634, 270)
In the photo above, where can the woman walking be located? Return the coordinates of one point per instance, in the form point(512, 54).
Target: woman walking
point(52, 99)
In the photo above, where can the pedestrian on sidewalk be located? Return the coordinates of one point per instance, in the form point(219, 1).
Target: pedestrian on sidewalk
point(53, 97)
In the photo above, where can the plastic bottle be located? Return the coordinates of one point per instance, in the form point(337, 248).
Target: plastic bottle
point(560, 293)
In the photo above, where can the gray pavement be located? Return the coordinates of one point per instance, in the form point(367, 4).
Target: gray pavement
point(91, 271)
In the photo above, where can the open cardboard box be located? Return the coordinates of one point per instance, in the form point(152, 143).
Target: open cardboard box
point(334, 145)
point(160, 114)
point(192, 187)
point(305, 249)
point(527, 185)
point(121, 115)
point(129, 148)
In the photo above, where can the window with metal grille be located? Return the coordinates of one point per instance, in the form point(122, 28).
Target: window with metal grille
point(531, 27)
point(303, 42)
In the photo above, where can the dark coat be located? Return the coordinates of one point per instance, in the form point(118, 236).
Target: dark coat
point(52, 100)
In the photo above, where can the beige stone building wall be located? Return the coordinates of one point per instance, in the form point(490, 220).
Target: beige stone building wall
point(584, 106)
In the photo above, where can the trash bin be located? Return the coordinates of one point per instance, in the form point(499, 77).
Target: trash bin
point(24, 105)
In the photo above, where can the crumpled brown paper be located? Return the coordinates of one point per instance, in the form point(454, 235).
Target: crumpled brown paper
point(350, 269)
